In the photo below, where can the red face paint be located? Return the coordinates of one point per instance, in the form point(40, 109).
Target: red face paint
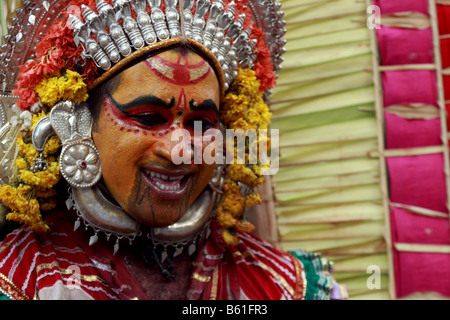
point(181, 72)
point(169, 91)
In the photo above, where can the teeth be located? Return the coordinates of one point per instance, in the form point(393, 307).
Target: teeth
point(163, 186)
point(162, 176)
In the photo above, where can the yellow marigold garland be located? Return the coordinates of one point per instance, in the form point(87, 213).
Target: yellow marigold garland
point(68, 86)
point(243, 108)
point(29, 193)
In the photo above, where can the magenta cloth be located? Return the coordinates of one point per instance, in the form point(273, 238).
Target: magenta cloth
point(410, 86)
point(403, 133)
point(418, 181)
point(421, 272)
point(408, 227)
point(394, 6)
point(405, 46)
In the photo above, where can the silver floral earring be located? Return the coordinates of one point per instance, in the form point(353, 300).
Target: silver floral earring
point(80, 167)
point(80, 160)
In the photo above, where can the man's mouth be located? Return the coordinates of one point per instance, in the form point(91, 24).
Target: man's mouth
point(167, 185)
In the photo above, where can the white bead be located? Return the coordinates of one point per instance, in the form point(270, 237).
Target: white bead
point(93, 48)
point(115, 57)
point(104, 40)
point(138, 43)
point(115, 33)
point(104, 63)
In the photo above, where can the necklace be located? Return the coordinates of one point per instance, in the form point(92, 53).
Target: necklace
point(102, 216)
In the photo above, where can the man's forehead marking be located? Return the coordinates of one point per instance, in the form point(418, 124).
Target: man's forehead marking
point(181, 72)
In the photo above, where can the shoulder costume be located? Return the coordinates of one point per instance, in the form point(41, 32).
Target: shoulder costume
point(77, 50)
point(60, 265)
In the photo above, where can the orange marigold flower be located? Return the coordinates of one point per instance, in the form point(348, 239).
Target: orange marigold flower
point(253, 199)
point(225, 219)
point(229, 238)
point(245, 226)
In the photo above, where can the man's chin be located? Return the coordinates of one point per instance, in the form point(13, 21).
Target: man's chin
point(159, 214)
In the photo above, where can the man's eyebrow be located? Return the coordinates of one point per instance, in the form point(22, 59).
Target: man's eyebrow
point(142, 101)
point(207, 105)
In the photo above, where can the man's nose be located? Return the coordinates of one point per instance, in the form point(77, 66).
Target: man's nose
point(175, 149)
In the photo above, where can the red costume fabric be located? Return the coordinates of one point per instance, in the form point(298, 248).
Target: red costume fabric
point(61, 265)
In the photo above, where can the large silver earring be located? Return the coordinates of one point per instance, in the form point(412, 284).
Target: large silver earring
point(79, 160)
point(80, 167)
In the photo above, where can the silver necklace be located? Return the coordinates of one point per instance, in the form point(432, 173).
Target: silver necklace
point(102, 216)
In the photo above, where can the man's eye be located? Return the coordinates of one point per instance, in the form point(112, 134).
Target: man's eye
point(150, 119)
point(203, 124)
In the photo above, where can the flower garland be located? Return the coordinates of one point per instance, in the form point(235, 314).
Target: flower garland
point(57, 55)
point(69, 86)
point(28, 192)
point(243, 108)
point(45, 81)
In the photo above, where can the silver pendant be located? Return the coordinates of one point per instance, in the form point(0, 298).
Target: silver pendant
point(93, 239)
point(76, 225)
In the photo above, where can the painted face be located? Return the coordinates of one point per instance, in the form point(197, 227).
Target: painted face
point(168, 91)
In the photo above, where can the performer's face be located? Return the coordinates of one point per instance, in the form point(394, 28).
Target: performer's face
point(153, 99)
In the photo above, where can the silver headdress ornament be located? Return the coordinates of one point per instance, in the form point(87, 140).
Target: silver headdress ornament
point(217, 29)
point(112, 32)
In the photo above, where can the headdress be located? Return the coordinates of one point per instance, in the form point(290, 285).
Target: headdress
point(57, 51)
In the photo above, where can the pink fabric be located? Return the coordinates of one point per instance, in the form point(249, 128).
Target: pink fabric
point(416, 46)
point(421, 272)
point(415, 180)
point(410, 86)
point(403, 133)
point(408, 227)
point(393, 6)
point(418, 181)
